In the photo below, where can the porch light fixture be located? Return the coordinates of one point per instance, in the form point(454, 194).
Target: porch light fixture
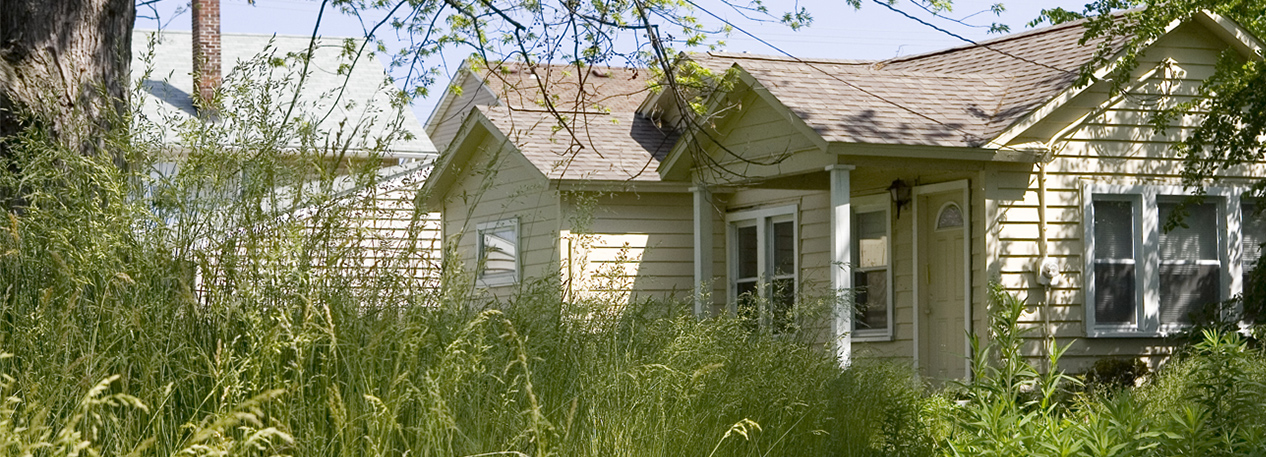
point(900, 194)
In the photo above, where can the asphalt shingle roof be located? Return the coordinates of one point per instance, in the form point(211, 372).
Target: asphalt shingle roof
point(591, 89)
point(365, 95)
point(960, 97)
point(604, 139)
point(618, 146)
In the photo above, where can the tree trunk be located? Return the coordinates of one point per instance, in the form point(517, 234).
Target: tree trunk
point(64, 67)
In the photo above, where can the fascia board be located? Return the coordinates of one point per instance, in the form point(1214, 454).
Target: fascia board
point(593, 185)
point(437, 184)
point(1232, 33)
point(671, 167)
point(899, 151)
point(676, 165)
point(446, 100)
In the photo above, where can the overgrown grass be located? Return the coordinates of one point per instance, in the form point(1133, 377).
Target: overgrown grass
point(200, 314)
point(114, 351)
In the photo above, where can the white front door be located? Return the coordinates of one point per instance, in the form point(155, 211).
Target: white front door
point(941, 273)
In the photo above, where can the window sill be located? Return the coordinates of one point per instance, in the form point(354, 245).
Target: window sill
point(488, 282)
point(876, 337)
point(1114, 333)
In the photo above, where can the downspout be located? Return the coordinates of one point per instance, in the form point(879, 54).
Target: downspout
point(1044, 256)
point(1047, 271)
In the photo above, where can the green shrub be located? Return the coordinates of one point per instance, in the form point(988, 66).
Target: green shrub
point(1210, 401)
point(1115, 373)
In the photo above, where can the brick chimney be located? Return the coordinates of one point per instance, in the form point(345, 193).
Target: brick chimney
point(206, 48)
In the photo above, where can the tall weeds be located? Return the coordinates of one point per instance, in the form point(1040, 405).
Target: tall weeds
point(232, 308)
point(1211, 401)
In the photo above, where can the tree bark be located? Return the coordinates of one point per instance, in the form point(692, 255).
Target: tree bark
point(64, 67)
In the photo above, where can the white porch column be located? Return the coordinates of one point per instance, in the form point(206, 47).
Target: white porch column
point(703, 249)
point(842, 259)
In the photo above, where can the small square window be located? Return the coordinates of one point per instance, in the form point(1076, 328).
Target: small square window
point(497, 247)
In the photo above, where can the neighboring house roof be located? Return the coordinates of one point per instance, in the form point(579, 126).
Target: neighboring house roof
point(955, 97)
point(364, 96)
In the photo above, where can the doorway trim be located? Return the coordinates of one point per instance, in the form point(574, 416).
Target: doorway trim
point(964, 186)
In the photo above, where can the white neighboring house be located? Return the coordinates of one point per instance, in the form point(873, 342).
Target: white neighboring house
point(347, 99)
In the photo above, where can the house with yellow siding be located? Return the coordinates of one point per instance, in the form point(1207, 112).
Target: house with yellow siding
point(897, 189)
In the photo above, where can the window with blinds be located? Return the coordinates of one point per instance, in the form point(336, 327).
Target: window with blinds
point(1190, 262)
point(1143, 280)
point(1114, 262)
point(497, 258)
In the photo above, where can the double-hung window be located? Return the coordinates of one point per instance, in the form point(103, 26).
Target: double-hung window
point(1254, 234)
point(1143, 280)
point(872, 269)
point(763, 266)
point(497, 248)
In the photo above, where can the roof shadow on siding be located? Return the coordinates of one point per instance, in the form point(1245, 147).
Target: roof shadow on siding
point(656, 142)
point(171, 95)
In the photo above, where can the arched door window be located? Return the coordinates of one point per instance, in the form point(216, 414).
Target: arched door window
point(951, 216)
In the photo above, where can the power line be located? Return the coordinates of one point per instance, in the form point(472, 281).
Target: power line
point(827, 73)
point(974, 43)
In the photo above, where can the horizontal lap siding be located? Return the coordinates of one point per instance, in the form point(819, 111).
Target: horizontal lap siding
point(496, 188)
point(393, 237)
point(760, 141)
point(757, 141)
point(637, 245)
point(375, 235)
point(1115, 145)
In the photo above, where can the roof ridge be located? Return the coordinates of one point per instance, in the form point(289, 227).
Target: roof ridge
point(777, 58)
point(916, 73)
point(516, 65)
point(1002, 39)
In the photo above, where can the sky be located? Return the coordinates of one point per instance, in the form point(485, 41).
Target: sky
point(837, 30)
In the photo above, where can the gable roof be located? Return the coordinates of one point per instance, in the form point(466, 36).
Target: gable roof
point(601, 135)
point(364, 96)
point(958, 97)
point(571, 89)
point(619, 146)
point(968, 97)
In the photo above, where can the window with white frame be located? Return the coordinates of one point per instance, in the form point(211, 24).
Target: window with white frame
point(763, 266)
point(872, 269)
point(498, 252)
point(1253, 218)
point(1254, 234)
point(1144, 280)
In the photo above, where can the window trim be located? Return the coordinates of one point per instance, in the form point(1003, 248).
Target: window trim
point(1147, 225)
point(873, 204)
point(760, 218)
point(500, 279)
